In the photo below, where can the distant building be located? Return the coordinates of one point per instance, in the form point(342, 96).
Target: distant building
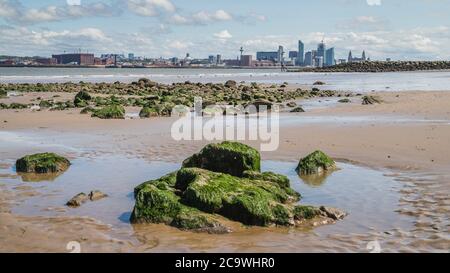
point(329, 57)
point(318, 61)
point(219, 59)
point(301, 53)
point(131, 56)
point(212, 59)
point(352, 59)
point(75, 58)
point(267, 56)
point(46, 61)
point(321, 49)
point(280, 58)
point(293, 55)
point(247, 60)
point(310, 58)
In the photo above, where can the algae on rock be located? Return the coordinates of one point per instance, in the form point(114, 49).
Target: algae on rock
point(315, 163)
point(42, 163)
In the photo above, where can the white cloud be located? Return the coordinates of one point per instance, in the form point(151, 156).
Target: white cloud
point(150, 7)
point(373, 2)
point(73, 2)
point(200, 18)
point(223, 35)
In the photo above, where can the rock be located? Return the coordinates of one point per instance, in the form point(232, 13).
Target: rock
point(279, 179)
point(291, 104)
point(3, 94)
point(87, 110)
point(97, 195)
point(231, 84)
point(366, 100)
point(147, 112)
point(261, 104)
point(319, 83)
point(315, 163)
point(344, 101)
point(333, 213)
point(16, 105)
point(42, 163)
point(82, 99)
point(114, 111)
point(45, 104)
point(228, 157)
point(297, 110)
point(77, 200)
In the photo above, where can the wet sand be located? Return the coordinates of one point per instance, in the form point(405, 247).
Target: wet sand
point(406, 138)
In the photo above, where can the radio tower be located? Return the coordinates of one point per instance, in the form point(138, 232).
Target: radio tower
point(242, 53)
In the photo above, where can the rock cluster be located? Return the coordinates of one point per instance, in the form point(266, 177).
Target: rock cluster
point(378, 66)
point(223, 180)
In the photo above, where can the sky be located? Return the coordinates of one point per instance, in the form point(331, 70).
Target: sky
point(397, 29)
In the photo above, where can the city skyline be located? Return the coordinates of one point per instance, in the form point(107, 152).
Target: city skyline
point(164, 28)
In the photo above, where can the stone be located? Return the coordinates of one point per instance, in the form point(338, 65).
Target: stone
point(227, 157)
point(231, 84)
point(82, 99)
point(332, 213)
point(77, 200)
point(97, 195)
point(315, 163)
point(344, 101)
point(147, 112)
point(114, 111)
point(367, 100)
point(42, 163)
point(297, 110)
point(291, 104)
point(319, 83)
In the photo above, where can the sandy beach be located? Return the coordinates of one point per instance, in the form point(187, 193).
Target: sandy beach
point(404, 139)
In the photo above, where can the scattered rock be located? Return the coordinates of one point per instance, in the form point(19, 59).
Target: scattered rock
point(147, 112)
point(97, 195)
point(77, 200)
point(315, 163)
point(319, 83)
point(333, 213)
point(344, 101)
point(298, 109)
point(367, 100)
point(82, 99)
point(231, 84)
point(291, 104)
point(42, 163)
point(114, 111)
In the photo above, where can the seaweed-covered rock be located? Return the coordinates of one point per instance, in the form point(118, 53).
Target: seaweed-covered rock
point(231, 84)
point(367, 100)
point(3, 94)
point(344, 100)
point(147, 112)
point(279, 179)
point(315, 163)
point(291, 104)
point(298, 109)
point(227, 157)
point(97, 195)
point(42, 163)
point(82, 99)
point(77, 200)
point(87, 110)
point(319, 83)
point(114, 111)
point(16, 105)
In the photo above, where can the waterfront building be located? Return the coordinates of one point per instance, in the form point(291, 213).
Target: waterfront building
point(212, 59)
point(329, 57)
point(318, 61)
point(321, 48)
point(267, 56)
point(219, 59)
point(352, 59)
point(293, 55)
point(301, 53)
point(310, 58)
point(247, 60)
point(131, 56)
point(280, 58)
point(75, 58)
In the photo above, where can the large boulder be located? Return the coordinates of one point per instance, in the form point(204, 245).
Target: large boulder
point(231, 84)
point(315, 163)
point(227, 157)
point(42, 163)
point(114, 111)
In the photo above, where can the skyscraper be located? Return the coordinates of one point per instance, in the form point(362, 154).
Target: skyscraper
point(301, 53)
point(329, 57)
point(280, 54)
point(321, 48)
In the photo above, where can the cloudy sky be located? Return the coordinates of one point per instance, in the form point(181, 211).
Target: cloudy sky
point(399, 29)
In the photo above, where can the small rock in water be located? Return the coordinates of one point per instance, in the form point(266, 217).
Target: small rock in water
point(298, 110)
point(333, 213)
point(97, 195)
point(77, 200)
point(291, 104)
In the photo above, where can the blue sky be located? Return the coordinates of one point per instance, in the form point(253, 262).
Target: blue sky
point(399, 29)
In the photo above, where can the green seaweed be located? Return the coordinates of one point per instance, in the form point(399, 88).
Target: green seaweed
point(42, 163)
point(314, 163)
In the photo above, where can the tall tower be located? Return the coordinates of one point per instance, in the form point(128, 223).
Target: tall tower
point(242, 53)
point(321, 48)
point(350, 57)
point(364, 55)
point(301, 53)
point(280, 54)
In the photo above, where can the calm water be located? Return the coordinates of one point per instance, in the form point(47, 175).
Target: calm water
point(360, 82)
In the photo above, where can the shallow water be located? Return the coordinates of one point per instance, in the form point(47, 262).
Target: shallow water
point(359, 82)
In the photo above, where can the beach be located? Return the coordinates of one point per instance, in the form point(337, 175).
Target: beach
point(394, 179)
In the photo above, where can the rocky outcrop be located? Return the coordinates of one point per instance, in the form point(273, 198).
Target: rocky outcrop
point(367, 100)
point(82, 99)
point(77, 200)
point(315, 163)
point(298, 109)
point(42, 163)
point(227, 157)
point(223, 180)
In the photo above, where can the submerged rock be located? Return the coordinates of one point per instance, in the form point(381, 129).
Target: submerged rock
point(344, 101)
point(227, 157)
point(367, 100)
point(114, 111)
point(42, 163)
point(77, 200)
point(97, 195)
point(315, 163)
point(291, 104)
point(319, 83)
point(223, 180)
